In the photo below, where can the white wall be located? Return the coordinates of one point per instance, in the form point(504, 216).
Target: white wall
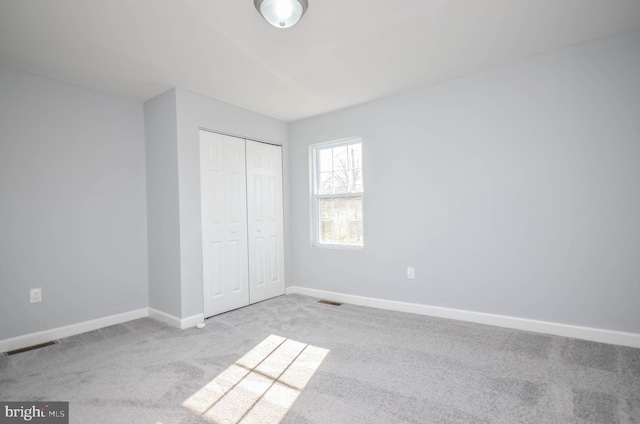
point(72, 204)
point(163, 220)
point(514, 192)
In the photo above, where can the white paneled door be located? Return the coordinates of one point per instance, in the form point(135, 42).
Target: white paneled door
point(242, 246)
point(224, 228)
point(265, 226)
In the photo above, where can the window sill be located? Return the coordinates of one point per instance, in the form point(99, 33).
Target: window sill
point(337, 247)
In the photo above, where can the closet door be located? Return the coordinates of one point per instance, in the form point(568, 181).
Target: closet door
point(224, 223)
point(265, 221)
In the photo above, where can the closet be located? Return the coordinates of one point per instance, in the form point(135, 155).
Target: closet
point(242, 221)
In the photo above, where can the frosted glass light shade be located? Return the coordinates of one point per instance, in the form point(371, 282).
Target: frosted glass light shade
point(281, 13)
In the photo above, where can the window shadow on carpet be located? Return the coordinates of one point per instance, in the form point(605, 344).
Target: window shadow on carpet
point(261, 386)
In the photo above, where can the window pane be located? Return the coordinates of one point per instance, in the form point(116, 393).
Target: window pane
point(325, 160)
point(340, 158)
point(355, 155)
point(355, 209)
point(341, 182)
point(340, 214)
point(355, 233)
point(356, 181)
point(355, 165)
point(326, 232)
point(325, 183)
point(326, 209)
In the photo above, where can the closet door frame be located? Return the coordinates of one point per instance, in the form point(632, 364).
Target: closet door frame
point(232, 223)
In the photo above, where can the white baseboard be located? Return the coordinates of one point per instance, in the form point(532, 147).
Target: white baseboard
point(577, 332)
point(191, 321)
point(168, 319)
point(181, 323)
point(69, 330)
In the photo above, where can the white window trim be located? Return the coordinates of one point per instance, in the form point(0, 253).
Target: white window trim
point(313, 205)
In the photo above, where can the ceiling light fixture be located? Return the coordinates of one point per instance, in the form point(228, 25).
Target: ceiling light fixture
point(282, 13)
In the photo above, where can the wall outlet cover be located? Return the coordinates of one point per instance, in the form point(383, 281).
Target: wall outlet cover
point(411, 273)
point(35, 295)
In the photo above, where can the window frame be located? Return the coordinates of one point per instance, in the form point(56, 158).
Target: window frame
point(315, 197)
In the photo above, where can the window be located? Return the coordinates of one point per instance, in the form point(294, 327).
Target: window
point(337, 193)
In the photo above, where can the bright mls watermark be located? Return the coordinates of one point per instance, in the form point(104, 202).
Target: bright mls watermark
point(34, 412)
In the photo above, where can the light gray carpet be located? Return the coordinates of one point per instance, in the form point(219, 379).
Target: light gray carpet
point(383, 367)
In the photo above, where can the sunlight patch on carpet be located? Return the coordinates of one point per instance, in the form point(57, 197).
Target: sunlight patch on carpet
point(261, 386)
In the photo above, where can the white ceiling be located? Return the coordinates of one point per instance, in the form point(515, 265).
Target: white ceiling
point(342, 53)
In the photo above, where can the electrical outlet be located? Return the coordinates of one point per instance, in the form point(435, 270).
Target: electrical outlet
point(35, 295)
point(411, 273)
